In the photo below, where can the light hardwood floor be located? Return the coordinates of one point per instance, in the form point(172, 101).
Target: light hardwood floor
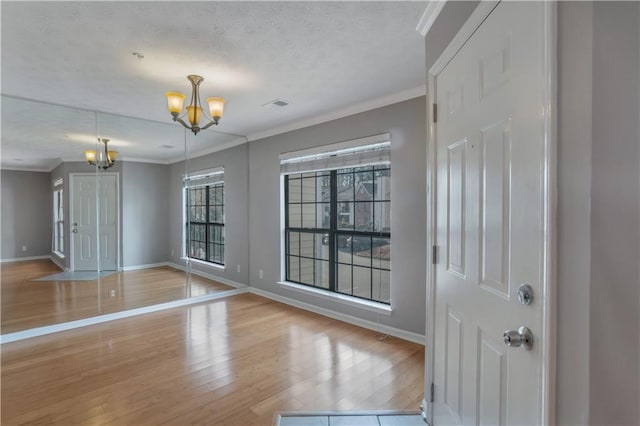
point(234, 361)
point(27, 304)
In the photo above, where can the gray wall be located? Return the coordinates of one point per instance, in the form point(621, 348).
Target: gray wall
point(575, 81)
point(234, 160)
point(145, 213)
point(615, 232)
point(406, 121)
point(26, 199)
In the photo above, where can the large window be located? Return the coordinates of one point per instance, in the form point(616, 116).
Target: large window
point(337, 221)
point(58, 218)
point(205, 217)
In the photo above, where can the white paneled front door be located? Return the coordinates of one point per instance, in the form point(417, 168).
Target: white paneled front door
point(86, 225)
point(490, 221)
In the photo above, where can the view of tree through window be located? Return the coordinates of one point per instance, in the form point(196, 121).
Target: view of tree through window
point(206, 223)
point(338, 230)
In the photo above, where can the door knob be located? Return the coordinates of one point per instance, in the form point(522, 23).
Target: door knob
point(75, 231)
point(516, 338)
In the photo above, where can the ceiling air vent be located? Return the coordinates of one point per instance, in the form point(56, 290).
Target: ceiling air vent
point(276, 104)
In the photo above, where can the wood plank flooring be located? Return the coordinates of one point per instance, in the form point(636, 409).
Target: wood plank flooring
point(27, 304)
point(233, 361)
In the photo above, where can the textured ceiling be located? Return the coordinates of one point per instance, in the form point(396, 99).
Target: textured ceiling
point(322, 57)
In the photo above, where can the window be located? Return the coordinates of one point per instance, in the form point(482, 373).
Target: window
point(204, 233)
point(337, 219)
point(58, 218)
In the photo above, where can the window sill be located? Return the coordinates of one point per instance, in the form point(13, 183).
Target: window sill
point(206, 264)
point(368, 305)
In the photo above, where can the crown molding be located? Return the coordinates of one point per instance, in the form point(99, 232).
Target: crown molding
point(25, 169)
point(434, 7)
point(345, 112)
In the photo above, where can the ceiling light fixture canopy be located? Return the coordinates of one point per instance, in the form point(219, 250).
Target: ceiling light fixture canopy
point(104, 158)
point(175, 104)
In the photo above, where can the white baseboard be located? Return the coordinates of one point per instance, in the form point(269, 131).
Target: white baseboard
point(24, 259)
point(41, 331)
point(208, 276)
point(381, 328)
point(58, 263)
point(147, 266)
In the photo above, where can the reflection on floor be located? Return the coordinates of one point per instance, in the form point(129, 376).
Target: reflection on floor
point(352, 420)
point(75, 276)
point(27, 304)
point(234, 361)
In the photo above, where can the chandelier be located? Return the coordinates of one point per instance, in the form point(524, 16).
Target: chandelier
point(104, 158)
point(175, 103)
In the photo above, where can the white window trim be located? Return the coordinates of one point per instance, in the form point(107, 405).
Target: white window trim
point(356, 302)
point(185, 215)
point(292, 156)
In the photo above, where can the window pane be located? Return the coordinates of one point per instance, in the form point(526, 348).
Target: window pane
point(345, 186)
point(383, 185)
point(361, 250)
point(309, 190)
point(295, 190)
point(323, 215)
point(306, 271)
point(294, 268)
point(308, 215)
point(324, 187)
point(362, 282)
point(381, 284)
point(294, 243)
point(306, 244)
point(365, 188)
point(344, 248)
point(382, 216)
point(295, 216)
point(322, 274)
point(322, 246)
point(345, 216)
point(364, 216)
point(344, 279)
point(381, 250)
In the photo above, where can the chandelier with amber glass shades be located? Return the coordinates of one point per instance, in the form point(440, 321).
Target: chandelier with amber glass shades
point(102, 158)
point(175, 104)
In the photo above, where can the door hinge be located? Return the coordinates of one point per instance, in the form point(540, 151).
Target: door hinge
point(434, 254)
point(435, 113)
point(433, 393)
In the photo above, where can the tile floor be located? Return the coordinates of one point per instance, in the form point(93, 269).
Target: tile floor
point(351, 420)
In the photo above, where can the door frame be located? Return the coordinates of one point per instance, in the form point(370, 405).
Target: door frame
point(549, 190)
point(72, 176)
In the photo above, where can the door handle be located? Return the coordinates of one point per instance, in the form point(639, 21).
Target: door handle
point(75, 231)
point(516, 338)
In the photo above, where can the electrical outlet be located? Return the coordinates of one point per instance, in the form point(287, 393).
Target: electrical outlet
point(24, 248)
point(261, 274)
point(238, 268)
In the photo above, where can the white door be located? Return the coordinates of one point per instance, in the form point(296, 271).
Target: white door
point(490, 220)
point(85, 221)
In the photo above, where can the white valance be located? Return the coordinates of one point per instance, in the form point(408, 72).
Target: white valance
point(354, 153)
point(207, 177)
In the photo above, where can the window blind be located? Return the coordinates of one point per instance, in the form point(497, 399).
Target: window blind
point(354, 153)
point(204, 177)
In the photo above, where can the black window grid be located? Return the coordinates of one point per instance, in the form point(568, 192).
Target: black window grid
point(333, 234)
point(205, 223)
